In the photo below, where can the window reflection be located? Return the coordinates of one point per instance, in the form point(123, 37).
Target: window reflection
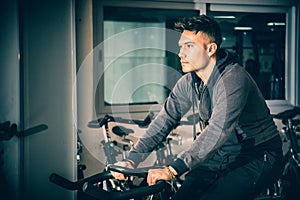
point(259, 41)
point(149, 69)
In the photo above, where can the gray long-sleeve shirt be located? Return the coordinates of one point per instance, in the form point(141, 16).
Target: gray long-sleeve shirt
point(231, 106)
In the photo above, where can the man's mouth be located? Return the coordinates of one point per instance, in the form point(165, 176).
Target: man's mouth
point(184, 62)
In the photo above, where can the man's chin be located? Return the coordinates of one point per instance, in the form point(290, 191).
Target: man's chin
point(187, 70)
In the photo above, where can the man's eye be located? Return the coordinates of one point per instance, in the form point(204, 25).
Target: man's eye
point(189, 45)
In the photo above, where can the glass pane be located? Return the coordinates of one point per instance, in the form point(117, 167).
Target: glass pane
point(259, 41)
point(123, 68)
point(140, 67)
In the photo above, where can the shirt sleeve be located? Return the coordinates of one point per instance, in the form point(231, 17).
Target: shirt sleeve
point(175, 106)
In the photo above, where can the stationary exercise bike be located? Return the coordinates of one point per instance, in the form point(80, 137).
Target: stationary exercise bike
point(104, 186)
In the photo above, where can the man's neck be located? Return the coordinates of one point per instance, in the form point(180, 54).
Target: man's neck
point(205, 73)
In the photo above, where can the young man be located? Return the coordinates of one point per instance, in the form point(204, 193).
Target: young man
point(239, 151)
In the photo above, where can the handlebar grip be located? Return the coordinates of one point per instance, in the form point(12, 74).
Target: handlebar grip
point(139, 172)
point(63, 182)
point(32, 130)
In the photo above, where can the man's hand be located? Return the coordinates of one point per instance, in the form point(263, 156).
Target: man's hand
point(154, 175)
point(118, 175)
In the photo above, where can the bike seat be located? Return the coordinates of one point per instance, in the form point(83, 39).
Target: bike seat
point(288, 114)
point(121, 131)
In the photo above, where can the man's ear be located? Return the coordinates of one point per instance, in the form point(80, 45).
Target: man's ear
point(212, 49)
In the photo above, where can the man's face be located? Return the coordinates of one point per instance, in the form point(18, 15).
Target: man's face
point(193, 54)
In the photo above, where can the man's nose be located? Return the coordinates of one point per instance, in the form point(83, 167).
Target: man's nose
point(181, 54)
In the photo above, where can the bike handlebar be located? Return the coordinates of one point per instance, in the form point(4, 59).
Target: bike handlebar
point(87, 184)
point(107, 118)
